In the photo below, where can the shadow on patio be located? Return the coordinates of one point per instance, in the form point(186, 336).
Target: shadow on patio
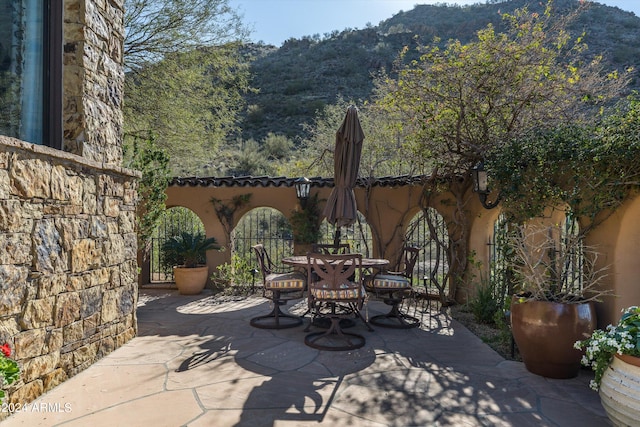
point(197, 362)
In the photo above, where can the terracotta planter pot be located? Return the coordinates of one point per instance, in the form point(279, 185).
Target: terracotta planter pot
point(545, 333)
point(190, 281)
point(620, 390)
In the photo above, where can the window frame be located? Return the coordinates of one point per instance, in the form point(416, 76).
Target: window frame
point(52, 127)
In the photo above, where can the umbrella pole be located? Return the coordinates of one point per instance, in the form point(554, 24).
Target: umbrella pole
point(336, 237)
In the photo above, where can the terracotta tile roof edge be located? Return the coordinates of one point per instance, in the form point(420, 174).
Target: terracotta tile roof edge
point(281, 181)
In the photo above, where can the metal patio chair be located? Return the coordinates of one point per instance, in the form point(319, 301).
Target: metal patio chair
point(331, 248)
point(393, 287)
point(335, 296)
point(279, 288)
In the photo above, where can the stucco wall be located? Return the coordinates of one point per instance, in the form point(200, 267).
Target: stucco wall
point(617, 241)
point(388, 211)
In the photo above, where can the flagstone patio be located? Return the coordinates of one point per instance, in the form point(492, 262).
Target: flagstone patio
point(197, 362)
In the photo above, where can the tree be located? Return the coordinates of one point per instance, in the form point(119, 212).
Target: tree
point(145, 156)
point(458, 102)
point(184, 85)
point(190, 101)
point(382, 152)
point(156, 28)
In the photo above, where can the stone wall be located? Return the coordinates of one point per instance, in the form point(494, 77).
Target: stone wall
point(93, 79)
point(68, 271)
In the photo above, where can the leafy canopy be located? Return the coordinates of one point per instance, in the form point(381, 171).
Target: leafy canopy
point(156, 28)
point(589, 169)
point(456, 103)
point(185, 76)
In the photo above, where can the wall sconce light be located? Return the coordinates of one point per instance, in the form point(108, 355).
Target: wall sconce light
point(303, 186)
point(481, 186)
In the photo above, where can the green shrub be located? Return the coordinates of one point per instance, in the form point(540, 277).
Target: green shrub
point(305, 222)
point(187, 249)
point(238, 274)
point(485, 306)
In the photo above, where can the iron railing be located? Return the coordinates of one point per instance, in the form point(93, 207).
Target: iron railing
point(173, 222)
point(269, 227)
point(428, 231)
point(572, 273)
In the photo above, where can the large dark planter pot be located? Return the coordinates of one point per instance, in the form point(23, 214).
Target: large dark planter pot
point(545, 333)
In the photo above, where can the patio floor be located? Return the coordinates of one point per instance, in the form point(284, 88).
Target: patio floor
point(197, 362)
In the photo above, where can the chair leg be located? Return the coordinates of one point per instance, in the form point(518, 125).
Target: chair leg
point(277, 319)
point(334, 338)
point(395, 318)
point(323, 321)
point(359, 314)
point(313, 308)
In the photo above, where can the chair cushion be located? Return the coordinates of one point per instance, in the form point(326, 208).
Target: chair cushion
point(390, 281)
point(347, 293)
point(285, 281)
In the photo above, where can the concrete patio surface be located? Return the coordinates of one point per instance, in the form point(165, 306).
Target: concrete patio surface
point(197, 362)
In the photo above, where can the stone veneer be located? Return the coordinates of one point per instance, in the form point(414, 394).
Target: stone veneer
point(93, 79)
point(68, 271)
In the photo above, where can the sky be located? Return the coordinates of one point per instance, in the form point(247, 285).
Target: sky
point(274, 21)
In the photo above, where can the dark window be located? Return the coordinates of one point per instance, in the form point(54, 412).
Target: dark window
point(31, 70)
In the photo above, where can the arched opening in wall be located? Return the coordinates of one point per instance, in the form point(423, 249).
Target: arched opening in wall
point(428, 230)
point(173, 222)
point(357, 235)
point(260, 225)
point(564, 259)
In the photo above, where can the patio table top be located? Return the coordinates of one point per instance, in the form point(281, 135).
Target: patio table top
point(301, 261)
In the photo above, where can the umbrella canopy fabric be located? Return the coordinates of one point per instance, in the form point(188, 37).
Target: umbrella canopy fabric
point(341, 207)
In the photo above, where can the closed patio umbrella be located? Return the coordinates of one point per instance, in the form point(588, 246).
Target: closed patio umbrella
point(341, 207)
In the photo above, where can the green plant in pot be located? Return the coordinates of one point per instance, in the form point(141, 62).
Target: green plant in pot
point(305, 225)
point(186, 252)
point(556, 281)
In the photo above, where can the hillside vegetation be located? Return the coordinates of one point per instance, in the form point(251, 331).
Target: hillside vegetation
point(301, 77)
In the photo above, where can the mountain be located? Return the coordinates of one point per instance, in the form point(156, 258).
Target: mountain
point(304, 75)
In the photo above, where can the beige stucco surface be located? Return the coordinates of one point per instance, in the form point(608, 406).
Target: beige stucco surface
point(388, 211)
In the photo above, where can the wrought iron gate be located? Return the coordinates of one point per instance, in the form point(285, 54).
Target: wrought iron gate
point(428, 231)
point(174, 221)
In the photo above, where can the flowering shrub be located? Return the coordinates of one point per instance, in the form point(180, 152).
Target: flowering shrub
point(624, 338)
point(9, 370)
